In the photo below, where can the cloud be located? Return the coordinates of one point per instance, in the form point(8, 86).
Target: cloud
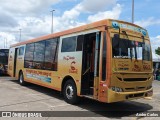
point(33, 27)
point(148, 22)
point(71, 14)
point(69, 19)
point(89, 6)
point(155, 42)
point(29, 7)
point(30, 16)
point(6, 40)
point(7, 21)
point(113, 14)
point(25, 15)
point(11, 12)
point(95, 5)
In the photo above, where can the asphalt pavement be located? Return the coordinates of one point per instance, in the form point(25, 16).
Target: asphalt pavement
point(14, 97)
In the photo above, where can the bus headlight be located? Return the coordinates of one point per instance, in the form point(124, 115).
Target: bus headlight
point(117, 89)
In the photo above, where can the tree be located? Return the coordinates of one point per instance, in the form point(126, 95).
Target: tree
point(157, 51)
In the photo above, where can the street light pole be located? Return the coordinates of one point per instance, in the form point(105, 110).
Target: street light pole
point(52, 21)
point(132, 11)
point(20, 35)
point(4, 43)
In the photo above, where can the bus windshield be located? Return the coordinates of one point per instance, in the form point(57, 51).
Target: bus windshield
point(4, 56)
point(128, 49)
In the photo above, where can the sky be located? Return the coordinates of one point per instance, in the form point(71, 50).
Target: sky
point(33, 17)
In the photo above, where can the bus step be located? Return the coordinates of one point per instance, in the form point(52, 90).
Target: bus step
point(89, 96)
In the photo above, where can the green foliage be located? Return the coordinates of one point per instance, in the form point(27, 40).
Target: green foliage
point(157, 51)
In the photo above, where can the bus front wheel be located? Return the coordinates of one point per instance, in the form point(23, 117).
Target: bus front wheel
point(21, 79)
point(70, 92)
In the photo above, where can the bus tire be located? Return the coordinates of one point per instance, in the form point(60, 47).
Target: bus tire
point(21, 79)
point(70, 92)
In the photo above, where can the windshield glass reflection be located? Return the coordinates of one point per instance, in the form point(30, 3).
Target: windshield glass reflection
point(127, 49)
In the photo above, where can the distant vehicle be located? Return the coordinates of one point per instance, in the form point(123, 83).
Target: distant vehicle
point(108, 61)
point(3, 61)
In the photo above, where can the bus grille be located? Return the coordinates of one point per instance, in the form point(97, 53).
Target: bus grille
point(135, 89)
point(135, 95)
point(134, 79)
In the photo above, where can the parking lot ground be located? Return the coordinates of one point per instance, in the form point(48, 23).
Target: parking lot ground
point(14, 97)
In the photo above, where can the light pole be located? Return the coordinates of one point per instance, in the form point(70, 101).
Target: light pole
point(20, 35)
point(52, 21)
point(132, 11)
point(4, 42)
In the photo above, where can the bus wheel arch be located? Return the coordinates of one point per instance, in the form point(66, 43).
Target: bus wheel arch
point(21, 78)
point(69, 90)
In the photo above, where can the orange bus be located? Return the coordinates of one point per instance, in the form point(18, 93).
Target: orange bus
point(108, 61)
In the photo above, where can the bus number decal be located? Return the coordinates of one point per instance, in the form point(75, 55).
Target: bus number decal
point(146, 66)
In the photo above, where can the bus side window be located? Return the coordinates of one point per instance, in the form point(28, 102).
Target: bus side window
point(28, 59)
point(38, 61)
point(51, 54)
point(69, 44)
point(80, 39)
point(42, 55)
point(21, 51)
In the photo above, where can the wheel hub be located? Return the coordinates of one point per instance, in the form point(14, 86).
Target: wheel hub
point(69, 92)
point(21, 79)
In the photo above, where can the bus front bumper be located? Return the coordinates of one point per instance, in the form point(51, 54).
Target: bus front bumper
point(121, 96)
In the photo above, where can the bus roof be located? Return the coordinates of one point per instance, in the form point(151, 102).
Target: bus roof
point(73, 30)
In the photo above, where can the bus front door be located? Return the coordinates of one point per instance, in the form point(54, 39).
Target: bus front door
point(90, 64)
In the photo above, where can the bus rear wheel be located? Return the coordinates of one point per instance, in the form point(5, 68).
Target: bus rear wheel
point(70, 92)
point(21, 79)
